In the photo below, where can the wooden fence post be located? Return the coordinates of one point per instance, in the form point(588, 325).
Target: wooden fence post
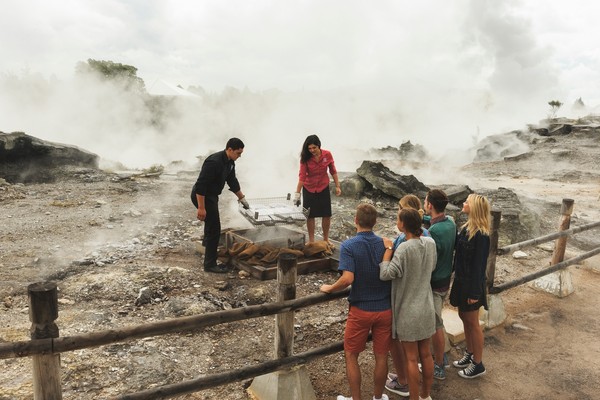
point(491, 261)
point(43, 311)
point(286, 281)
point(565, 284)
point(559, 283)
point(292, 384)
point(565, 222)
point(496, 314)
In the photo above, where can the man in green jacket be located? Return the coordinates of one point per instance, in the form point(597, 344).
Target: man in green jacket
point(443, 232)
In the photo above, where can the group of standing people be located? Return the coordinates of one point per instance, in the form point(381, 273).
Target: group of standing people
point(398, 289)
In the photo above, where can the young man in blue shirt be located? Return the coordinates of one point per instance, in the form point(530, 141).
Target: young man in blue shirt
point(370, 301)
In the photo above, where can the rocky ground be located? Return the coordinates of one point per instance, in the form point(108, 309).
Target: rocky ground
point(103, 237)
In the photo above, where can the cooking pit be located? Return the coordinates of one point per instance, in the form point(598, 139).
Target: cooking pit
point(277, 236)
point(256, 251)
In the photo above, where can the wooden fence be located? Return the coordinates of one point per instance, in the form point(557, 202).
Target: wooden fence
point(558, 262)
point(46, 345)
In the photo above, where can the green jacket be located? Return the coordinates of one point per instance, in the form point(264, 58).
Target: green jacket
point(444, 235)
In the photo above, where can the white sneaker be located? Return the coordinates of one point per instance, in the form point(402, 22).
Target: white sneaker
point(340, 397)
point(383, 397)
point(428, 398)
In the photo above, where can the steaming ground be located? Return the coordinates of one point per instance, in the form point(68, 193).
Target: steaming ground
point(103, 237)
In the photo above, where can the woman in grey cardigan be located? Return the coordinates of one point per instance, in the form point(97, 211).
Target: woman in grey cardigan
point(412, 301)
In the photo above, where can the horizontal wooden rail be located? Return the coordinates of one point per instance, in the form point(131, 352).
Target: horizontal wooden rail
point(223, 378)
point(543, 239)
point(175, 325)
point(543, 272)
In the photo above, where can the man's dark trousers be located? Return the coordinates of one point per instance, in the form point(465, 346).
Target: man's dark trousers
point(212, 230)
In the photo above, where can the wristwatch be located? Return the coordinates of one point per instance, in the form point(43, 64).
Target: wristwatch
point(389, 247)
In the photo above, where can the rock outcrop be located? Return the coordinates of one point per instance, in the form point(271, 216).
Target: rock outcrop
point(457, 194)
point(24, 158)
point(498, 147)
point(389, 182)
point(353, 186)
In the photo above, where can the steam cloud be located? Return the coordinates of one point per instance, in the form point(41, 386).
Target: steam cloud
point(360, 77)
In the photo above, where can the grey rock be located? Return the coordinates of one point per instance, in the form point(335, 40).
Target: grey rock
point(353, 186)
point(518, 223)
point(257, 295)
point(28, 159)
point(406, 151)
point(521, 327)
point(519, 157)
point(560, 129)
point(222, 285)
point(457, 194)
point(497, 147)
point(517, 255)
point(144, 296)
point(560, 152)
point(389, 182)
point(540, 131)
point(177, 306)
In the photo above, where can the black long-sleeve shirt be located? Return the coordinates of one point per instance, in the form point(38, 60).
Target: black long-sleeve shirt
point(216, 170)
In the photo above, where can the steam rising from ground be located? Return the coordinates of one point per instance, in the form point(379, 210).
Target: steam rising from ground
point(120, 125)
point(441, 75)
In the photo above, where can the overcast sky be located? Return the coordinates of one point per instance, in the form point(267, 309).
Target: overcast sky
point(484, 65)
point(295, 45)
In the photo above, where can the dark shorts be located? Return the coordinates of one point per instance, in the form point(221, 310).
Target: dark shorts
point(360, 323)
point(459, 296)
point(319, 203)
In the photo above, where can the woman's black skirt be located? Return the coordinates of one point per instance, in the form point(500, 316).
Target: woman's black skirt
point(318, 203)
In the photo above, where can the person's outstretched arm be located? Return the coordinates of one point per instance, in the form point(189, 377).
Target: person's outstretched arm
point(342, 283)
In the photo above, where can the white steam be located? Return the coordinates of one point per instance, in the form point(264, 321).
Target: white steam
point(439, 74)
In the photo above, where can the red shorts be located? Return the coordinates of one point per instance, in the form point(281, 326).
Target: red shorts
point(360, 323)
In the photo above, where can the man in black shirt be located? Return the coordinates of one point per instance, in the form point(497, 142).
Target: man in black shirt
point(217, 169)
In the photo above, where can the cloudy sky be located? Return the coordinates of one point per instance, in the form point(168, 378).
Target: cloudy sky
point(442, 68)
point(311, 44)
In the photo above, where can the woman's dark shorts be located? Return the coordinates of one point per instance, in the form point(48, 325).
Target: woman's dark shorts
point(459, 297)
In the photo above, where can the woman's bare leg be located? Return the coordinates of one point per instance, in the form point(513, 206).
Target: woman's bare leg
point(310, 226)
point(325, 224)
point(399, 361)
point(475, 334)
point(412, 369)
point(427, 365)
